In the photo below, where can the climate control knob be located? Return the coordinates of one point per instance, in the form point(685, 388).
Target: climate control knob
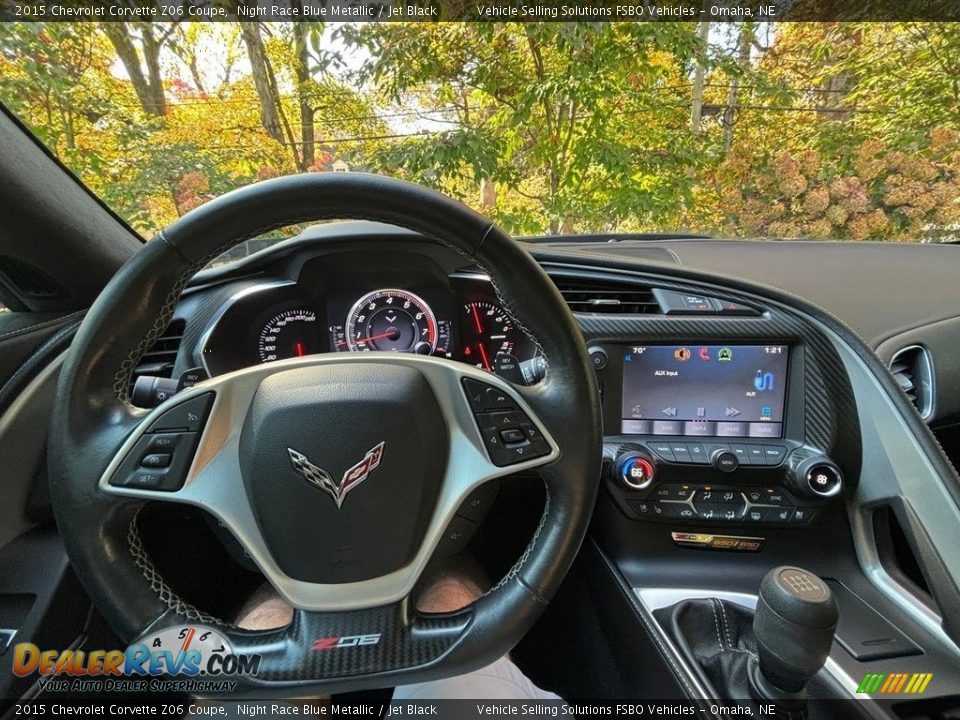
point(635, 470)
point(817, 476)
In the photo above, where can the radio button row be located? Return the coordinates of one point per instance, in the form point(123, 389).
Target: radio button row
point(700, 453)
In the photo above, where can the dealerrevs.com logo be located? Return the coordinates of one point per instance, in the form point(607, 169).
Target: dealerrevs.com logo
point(190, 658)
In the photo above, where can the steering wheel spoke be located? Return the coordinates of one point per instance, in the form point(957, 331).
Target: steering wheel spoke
point(491, 432)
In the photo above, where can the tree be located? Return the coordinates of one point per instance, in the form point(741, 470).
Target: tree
point(263, 80)
point(548, 111)
point(138, 46)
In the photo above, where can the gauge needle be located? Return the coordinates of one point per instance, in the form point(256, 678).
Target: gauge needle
point(477, 323)
point(299, 349)
point(484, 357)
point(391, 334)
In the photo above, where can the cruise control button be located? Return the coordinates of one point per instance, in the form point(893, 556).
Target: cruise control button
point(484, 397)
point(156, 460)
point(188, 416)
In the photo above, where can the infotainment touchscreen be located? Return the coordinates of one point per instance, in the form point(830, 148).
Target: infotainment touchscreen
point(704, 390)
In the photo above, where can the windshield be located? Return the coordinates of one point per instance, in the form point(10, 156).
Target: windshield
point(846, 131)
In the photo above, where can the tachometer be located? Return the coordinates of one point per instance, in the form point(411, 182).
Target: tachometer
point(394, 321)
point(292, 333)
point(491, 340)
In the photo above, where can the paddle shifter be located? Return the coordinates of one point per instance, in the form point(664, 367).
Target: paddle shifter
point(794, 623)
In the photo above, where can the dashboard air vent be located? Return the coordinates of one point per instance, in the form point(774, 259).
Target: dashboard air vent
point(600, 296)
point(159, 360)
point(913, 371)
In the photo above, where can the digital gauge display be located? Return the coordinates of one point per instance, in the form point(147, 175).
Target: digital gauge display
point(391, 320)
point(292, 333)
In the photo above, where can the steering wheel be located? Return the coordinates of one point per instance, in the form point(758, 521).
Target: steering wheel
point(337, 473)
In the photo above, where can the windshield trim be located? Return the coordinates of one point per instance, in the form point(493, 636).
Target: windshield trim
point(29, 135)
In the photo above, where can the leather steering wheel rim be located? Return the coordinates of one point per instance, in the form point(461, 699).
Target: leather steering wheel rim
point(93, 419)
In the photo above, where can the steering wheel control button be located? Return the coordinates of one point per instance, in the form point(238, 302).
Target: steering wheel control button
point(509, 436)
point(725, 461)
point(187, 416)
point(486, 398)
point(479, 502)
point(156, 460)
point(455, 538)
point(513, 435)
point(598, 356)
point(636, 472)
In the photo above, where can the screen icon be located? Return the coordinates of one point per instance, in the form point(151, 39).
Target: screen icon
point(766, 411)
point(704, 354)
point(763, 381)
point(725, 354)
point(682, 354)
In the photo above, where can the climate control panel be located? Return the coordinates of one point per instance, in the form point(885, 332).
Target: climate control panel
point(679, 481)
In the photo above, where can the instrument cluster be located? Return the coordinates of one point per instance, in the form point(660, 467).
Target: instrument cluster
point(457, 317)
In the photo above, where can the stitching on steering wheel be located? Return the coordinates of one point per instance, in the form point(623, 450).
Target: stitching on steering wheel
point(166, 594)
point(518, 565)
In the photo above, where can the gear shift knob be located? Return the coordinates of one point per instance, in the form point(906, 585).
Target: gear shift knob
point(794, 624)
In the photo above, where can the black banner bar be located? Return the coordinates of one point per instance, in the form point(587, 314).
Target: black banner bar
point(481, 10)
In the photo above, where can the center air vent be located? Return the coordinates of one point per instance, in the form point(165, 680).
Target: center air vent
point(599, 296)
point(159, 360)
point(913, 370)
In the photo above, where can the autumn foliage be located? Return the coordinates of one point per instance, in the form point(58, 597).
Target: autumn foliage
point(813, 130)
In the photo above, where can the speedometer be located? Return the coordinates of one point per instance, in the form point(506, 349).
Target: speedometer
point(392, 320)
point(292, 333)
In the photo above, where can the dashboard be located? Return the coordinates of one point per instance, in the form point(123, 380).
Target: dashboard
point(717, 409)
point(392, 300)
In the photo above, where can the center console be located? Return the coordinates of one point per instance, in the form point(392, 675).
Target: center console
point(710, 433)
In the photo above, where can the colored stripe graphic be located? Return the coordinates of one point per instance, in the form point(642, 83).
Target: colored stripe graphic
point(894, 683)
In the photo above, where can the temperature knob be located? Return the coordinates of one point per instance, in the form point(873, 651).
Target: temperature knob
point(817, 476)
point(636, 471)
